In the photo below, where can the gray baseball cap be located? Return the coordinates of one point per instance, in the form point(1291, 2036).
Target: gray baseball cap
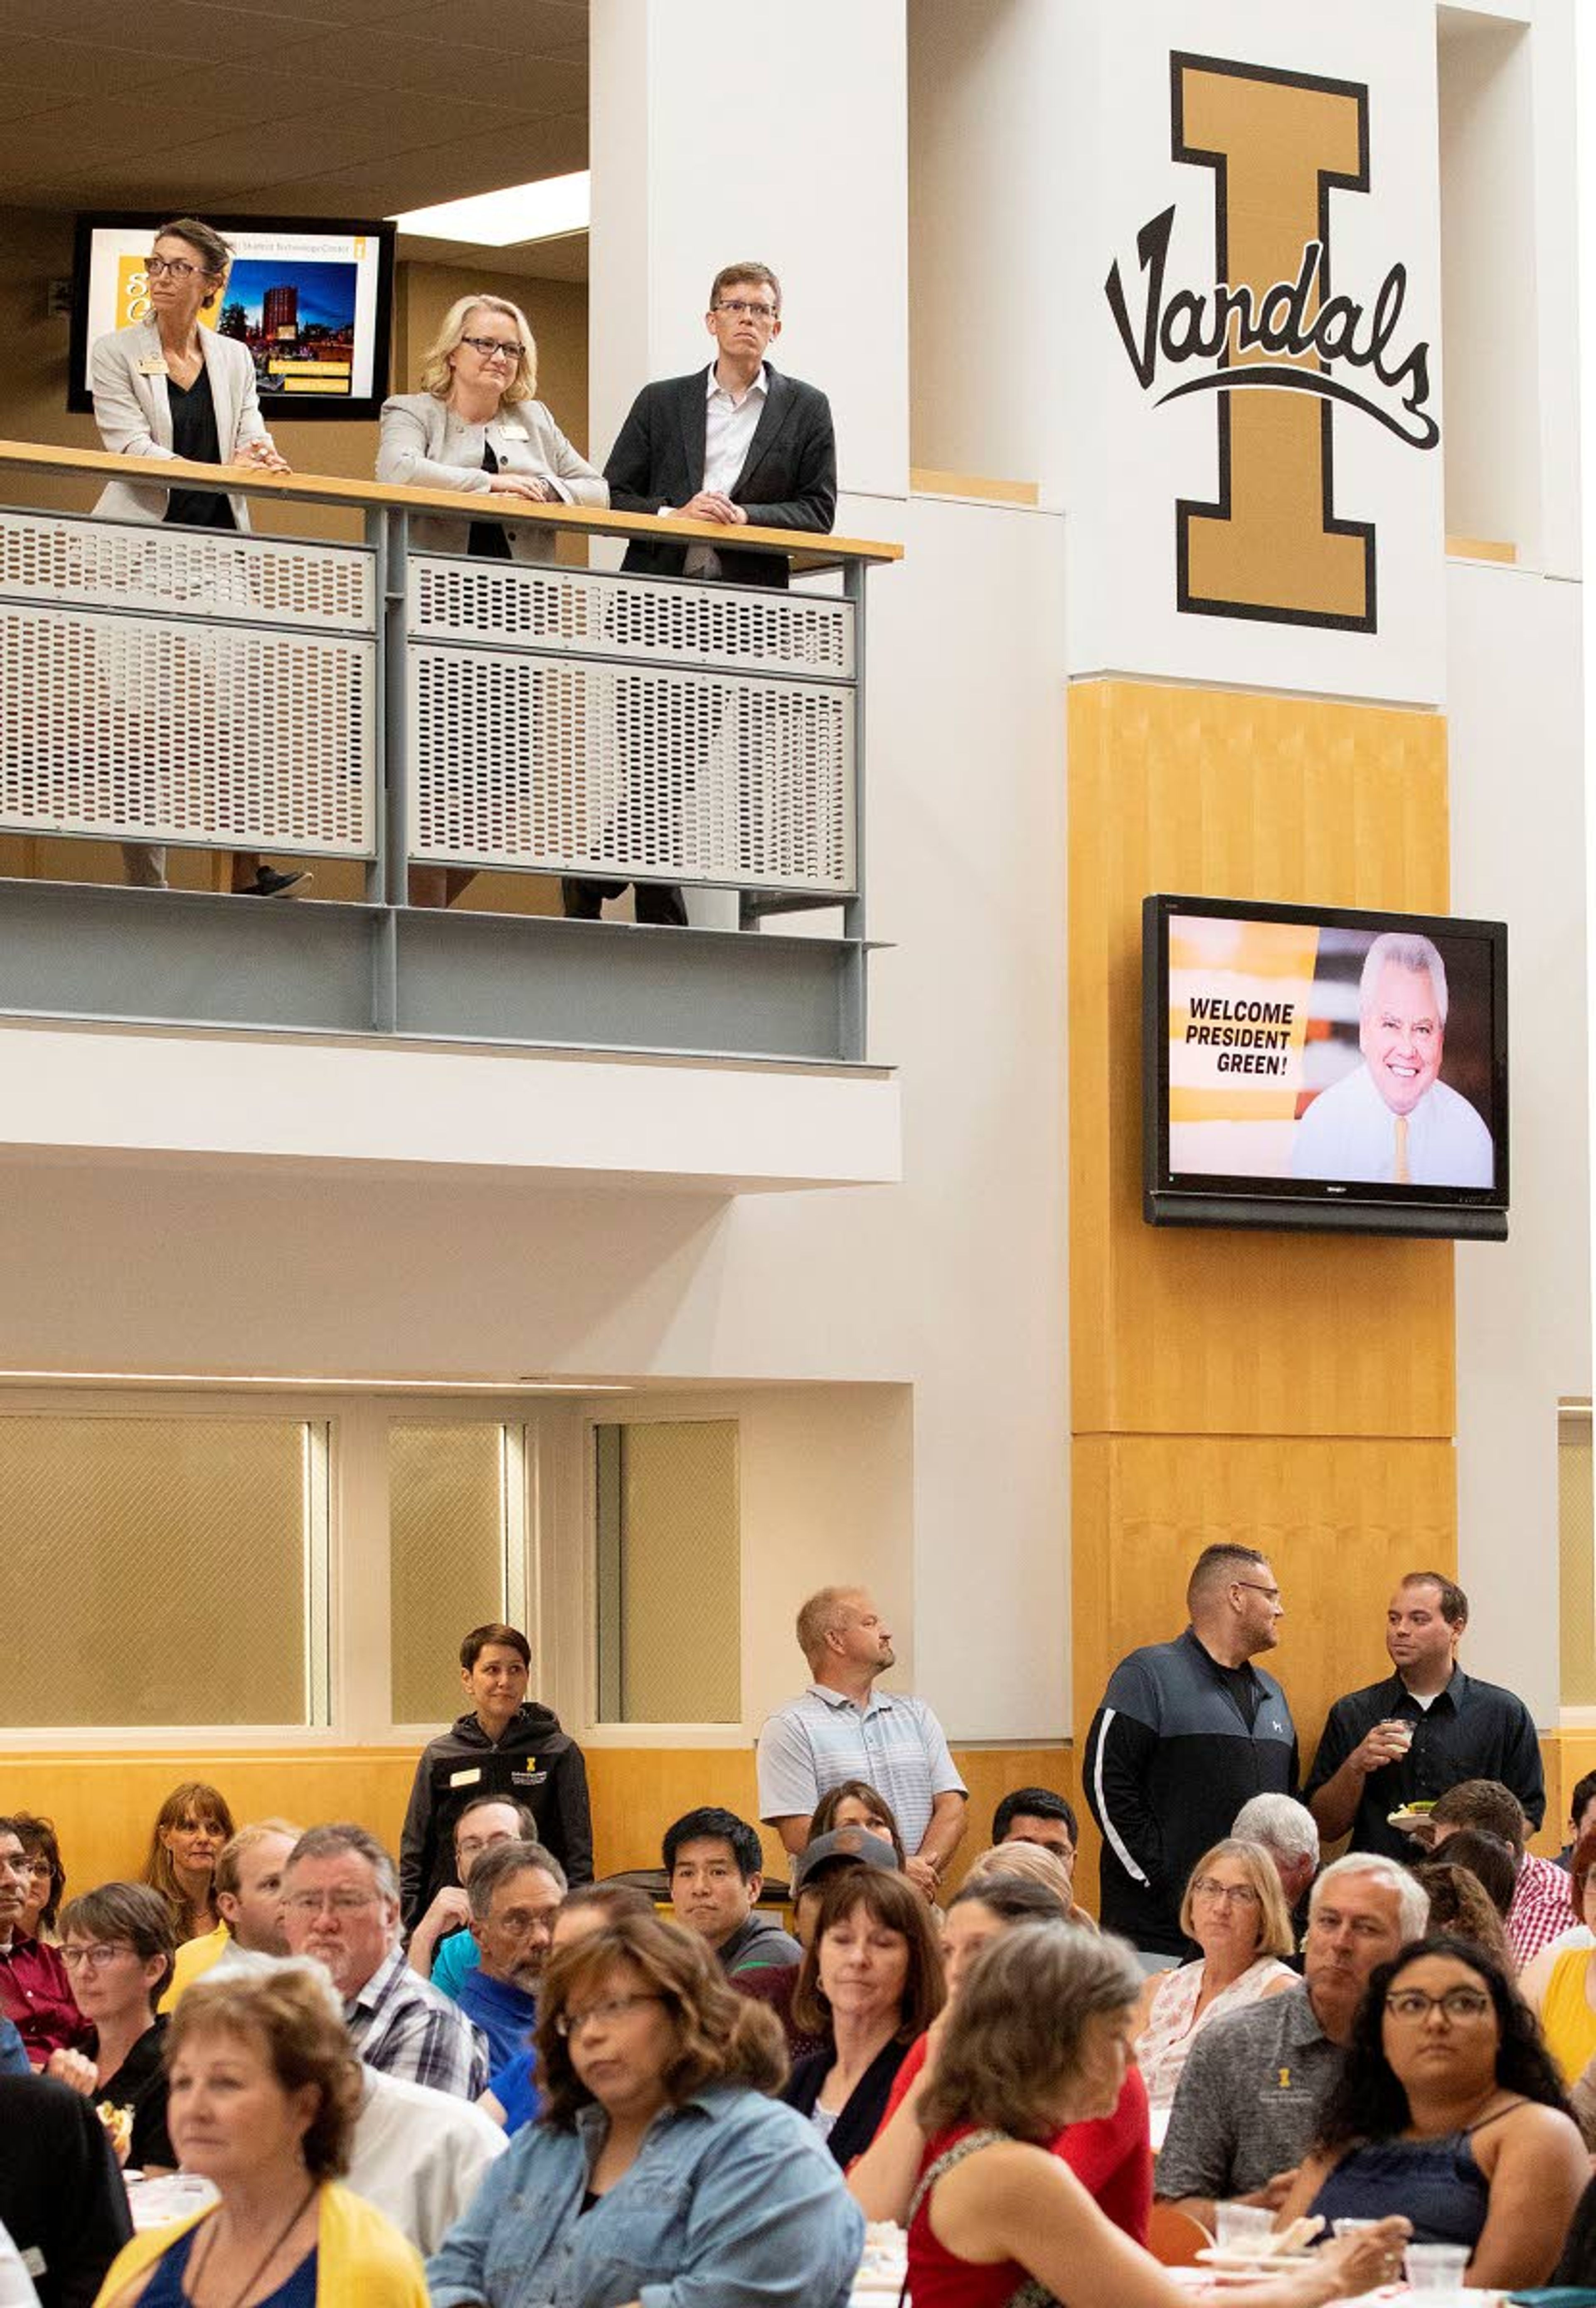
point(854, 1847)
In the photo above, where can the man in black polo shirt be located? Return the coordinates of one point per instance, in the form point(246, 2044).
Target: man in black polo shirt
point(1424, 1729)
point(1186, 1732)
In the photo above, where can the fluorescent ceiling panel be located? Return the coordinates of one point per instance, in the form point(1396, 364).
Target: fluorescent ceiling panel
point(544, 210)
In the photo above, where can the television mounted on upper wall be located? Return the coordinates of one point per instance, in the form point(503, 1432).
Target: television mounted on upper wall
point(1313, 1067)
point(311, 297)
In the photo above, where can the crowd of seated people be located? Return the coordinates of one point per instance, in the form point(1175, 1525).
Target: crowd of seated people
point(572, 2089)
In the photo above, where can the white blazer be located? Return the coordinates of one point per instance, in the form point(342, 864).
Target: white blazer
point(133, 411)
point(425, 445)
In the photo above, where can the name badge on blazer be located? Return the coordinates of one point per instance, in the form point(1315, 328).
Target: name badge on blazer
point(154, 366)
point(466, 1778)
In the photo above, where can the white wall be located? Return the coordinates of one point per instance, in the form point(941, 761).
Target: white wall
point(1524, 1308)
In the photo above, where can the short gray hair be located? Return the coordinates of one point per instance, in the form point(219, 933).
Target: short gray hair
point(345, 1835)
point(1412, 1900)
point(503, 1859)
point(1281, 1824)
point(1408, 951)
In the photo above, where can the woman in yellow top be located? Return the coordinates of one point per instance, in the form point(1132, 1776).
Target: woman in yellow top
point(1559, 1983)
point(264, 2091)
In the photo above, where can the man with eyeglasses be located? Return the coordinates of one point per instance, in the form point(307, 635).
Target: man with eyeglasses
point(1249, 2100)
point(340, 1908)
point(35, 1994)
point(1186, 1732)
point(734, 444)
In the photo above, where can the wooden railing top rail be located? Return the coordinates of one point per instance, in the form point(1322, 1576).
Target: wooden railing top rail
point(803, 549)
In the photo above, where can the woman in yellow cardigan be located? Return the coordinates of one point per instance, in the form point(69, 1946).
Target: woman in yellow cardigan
point(262, 2096)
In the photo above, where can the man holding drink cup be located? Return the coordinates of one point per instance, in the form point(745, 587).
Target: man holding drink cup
point(1402, 1743)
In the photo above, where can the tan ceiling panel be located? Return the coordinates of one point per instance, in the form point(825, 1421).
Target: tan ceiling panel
point(545, 27)
point(528, 84)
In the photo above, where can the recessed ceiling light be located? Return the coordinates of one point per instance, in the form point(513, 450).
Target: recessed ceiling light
point(543, 210)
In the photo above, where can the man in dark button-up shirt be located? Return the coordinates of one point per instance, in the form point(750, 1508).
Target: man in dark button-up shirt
point(1423, 1730)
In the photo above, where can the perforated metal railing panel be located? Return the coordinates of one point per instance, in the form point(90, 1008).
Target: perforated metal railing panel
point(196, 572)
point(588, 613)
point(172, 732)
point(577, 767)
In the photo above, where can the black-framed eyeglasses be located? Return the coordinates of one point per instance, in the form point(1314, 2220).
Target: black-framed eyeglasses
point(493, 348)
point(1457, 2003)
point(178, 267)
point(1257, 1588)
point(740, 307)
point(98, 1957)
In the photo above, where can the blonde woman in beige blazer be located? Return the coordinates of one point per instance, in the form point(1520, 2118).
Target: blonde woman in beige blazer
point(169, 387)
point(476, 427)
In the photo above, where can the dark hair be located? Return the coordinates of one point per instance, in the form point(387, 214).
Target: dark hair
point(721, 2036)
point(1216, 1566)
point(1017, 1898)
point(1489, 1859)
point(1460, 1906)
point(192, 1799)
point(1033, 1803)
point(1014, 2038)
point(893, 1902)
point(823, 1818)
point(1584, 1789)
point(711, 1823)
point(495, 1631)
point(293, 2013)
point(1483, 1803)
point(131, 1912)
point(37, 1837)
point(1454, 1603)
point(750, 270)
point(1581, 1861)
point(501, 1860)
point(1369, 2101)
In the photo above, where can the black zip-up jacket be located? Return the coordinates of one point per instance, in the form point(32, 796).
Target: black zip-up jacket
point(535, 1764)
point(1171, 1758)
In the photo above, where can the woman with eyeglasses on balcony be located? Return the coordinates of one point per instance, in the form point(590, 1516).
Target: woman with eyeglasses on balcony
point(660, 2168)
point(120, 1949)
point(1236, 1912)
point(478, 427)
point(168, 386)
point(1448, 2109)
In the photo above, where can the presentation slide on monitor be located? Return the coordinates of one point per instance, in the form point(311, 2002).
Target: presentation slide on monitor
point(1325, 1053)
point(305, 304)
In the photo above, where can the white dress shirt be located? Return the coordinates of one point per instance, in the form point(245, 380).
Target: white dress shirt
point(1350, 1132)
point(419, 2155)
point(729, 427)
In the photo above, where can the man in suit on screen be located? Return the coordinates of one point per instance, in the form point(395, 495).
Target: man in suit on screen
point(735, 443)
point(1392, 1121)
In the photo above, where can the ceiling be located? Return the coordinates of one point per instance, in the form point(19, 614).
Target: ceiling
point(357, 108)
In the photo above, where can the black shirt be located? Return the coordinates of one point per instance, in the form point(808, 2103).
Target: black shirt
point(1471, 1730)
point(194, 436)
point(489, 539)
point(140, 2085)
point(61, 2194)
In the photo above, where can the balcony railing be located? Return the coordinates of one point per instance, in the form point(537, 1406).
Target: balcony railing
point(368, 702)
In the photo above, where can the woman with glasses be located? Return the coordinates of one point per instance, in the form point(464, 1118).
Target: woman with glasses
point(41, 1910)
point(119, 1948)
point(477, 427)
point(659, 2168)
point(1448, 2110)
point(168, 386)
point(1236, 1912)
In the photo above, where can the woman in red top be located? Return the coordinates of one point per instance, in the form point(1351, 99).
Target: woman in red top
point(1111, 2154)
point(1041, 2036)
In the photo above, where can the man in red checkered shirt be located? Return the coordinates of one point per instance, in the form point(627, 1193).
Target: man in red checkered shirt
point(1540, 1910)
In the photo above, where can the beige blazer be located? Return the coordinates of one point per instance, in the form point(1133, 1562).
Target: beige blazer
point(425, 445)
point(133, 411)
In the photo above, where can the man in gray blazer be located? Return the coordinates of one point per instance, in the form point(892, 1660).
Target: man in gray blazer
point(732, 444)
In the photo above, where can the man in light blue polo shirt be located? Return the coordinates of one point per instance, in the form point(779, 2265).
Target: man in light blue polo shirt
point(842, 1727)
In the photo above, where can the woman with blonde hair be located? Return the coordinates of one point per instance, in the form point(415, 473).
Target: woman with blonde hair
point(478, 427)
point(1036, 1864)
point(1235, 1910)
point(263, 2090)
point(185, 1842)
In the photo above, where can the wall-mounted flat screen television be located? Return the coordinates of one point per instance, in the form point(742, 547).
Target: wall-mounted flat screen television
point(310, 297)
point(1310, 1067)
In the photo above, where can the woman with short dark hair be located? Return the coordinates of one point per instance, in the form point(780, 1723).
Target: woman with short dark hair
point(263, 2092)
point(660, 2168)
point(870, 1981)
point(41, 1911)
point(1448, 2108)
point(120, 1949)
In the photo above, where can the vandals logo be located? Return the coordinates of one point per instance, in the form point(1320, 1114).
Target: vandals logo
point(1274, 342)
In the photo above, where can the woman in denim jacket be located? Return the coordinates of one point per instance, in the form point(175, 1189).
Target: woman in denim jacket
point(659, 2172)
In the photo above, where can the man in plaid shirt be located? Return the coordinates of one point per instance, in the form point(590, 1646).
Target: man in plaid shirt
point(340, 1908)
point(1540, 1910)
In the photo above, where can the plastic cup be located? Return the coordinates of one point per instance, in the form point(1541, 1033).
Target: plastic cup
point(1353, 2227)
point(1243, 2227)
point(1403, 1729)
point(1441, 2268)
